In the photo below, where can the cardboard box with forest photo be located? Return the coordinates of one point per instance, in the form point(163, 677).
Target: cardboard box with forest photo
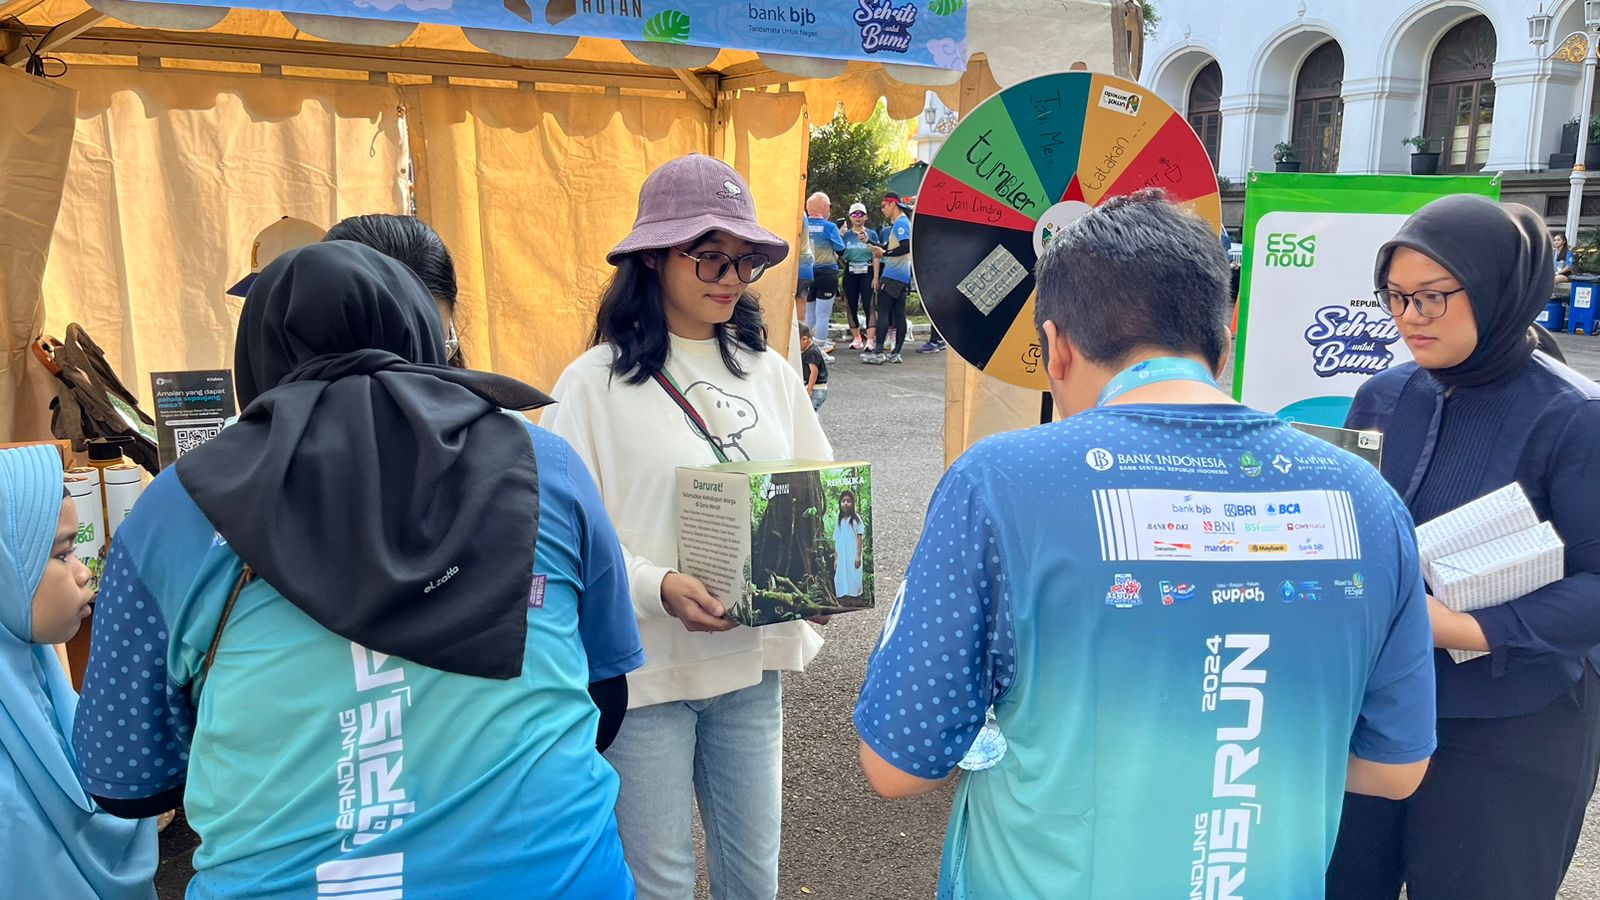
point(778, 541)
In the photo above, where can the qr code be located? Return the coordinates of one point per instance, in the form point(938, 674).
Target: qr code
point(190, 437)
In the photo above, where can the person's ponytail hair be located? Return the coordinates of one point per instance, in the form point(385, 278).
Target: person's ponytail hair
point(632, 318)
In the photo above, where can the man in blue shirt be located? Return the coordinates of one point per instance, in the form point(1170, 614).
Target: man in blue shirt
point(826, 246)
point(895, 283)
point(1196, 626)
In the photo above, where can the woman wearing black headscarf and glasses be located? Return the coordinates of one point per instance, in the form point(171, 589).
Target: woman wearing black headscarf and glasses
point(355, 632)
point(1497, 816)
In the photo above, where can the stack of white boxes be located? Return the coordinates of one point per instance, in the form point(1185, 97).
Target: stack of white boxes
point(1490, 551)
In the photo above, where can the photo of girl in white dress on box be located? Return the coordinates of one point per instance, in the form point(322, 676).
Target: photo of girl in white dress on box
point(849, 539)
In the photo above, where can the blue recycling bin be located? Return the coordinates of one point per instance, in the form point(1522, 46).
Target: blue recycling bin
point(1581, 308)
point(1554, 317)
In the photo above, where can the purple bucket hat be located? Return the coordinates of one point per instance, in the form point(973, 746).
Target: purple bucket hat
point(689, 197)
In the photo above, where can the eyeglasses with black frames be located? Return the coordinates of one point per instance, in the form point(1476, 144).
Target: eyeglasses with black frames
point(711, 265)
point(1428, 304)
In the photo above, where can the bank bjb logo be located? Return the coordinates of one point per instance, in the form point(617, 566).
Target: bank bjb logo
point(1099, 459)
point(1124, 592)
point(1285, 249)
point(1250, 465)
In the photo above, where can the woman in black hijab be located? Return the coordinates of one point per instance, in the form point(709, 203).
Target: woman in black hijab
point(374, 607)
point(1498, 814)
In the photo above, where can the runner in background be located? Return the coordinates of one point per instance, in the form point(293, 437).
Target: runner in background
point(826, 246)
point(860, 271)
point(1146, 593)
point(806, 258)
point(895, 283)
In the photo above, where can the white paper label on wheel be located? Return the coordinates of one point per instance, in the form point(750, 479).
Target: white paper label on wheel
point(993, 280)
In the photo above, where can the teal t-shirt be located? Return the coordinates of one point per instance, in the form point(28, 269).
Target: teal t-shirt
point(317, 767)
point(1186, 619)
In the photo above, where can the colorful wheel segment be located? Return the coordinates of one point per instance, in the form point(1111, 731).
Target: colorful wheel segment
point(1020, 167)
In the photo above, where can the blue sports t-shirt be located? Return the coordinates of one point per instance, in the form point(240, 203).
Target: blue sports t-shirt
point(1186, 617)
point(826, 244)
point(897, 268)
point(316, 767)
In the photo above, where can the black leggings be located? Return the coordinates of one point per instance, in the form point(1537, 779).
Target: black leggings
point(892, 314)
point(858, 298)
point(1497, 816)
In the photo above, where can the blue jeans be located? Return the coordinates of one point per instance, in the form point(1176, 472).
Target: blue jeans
point(819, 396)
point(727, 754)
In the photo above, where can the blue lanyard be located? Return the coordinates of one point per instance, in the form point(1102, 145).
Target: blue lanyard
point(1151, 371)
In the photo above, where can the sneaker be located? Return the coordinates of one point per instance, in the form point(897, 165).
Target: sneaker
point(868, 352)
point(895, 358)
point(873, 359)
point(855, 344)
point(930, 347)
point(827, 357)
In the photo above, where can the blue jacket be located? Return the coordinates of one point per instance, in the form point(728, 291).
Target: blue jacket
point(1541, 428)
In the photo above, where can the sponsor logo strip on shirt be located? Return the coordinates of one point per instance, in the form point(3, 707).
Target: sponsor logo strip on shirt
point(1144, 525)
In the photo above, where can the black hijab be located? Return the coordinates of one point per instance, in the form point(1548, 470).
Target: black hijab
point(383, 493)
point(1501, 254)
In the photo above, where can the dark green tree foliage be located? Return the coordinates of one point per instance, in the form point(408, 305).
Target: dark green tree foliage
point(847, 164)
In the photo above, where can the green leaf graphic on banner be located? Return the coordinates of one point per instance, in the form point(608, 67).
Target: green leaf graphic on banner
point(946, 7)
point(670, 26)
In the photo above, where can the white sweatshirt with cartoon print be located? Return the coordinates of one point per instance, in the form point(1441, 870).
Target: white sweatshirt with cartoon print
point(633, 438)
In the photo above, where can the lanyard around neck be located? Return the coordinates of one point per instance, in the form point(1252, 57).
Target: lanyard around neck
point(1152, 371)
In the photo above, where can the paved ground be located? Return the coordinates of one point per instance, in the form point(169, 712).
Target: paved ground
point(839, 840)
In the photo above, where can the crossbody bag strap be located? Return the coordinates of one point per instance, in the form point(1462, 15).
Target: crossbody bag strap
point(245, 577)
point(699, 424)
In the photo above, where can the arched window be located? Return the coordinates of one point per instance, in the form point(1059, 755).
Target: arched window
point(1205, 109)
point(1318, 108)
point(1460, 116)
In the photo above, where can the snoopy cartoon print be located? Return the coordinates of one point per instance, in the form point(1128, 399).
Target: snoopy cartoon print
point(728, 416)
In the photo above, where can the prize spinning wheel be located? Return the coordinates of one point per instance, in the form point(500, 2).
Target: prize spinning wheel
point(1021, 166)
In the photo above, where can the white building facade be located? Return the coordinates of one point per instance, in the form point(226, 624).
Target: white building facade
point(1346, 81)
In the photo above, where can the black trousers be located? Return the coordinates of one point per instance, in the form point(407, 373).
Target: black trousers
point(1496, 818)
point(858, 298)
point(892, 313)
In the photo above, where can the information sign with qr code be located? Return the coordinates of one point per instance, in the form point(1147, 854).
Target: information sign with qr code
point(191, 408)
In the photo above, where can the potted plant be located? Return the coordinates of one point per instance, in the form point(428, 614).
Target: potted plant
point(1591, 146)
point(1423, 162)
point(1286, 157)
point(1569, 137)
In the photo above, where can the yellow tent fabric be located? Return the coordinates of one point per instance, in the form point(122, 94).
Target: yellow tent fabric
point(36, 119)
point(530, 190)
point(173, 174)
point(767, 139)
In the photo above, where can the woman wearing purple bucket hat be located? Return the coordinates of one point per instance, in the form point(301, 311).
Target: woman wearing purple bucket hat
point(680, 375)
